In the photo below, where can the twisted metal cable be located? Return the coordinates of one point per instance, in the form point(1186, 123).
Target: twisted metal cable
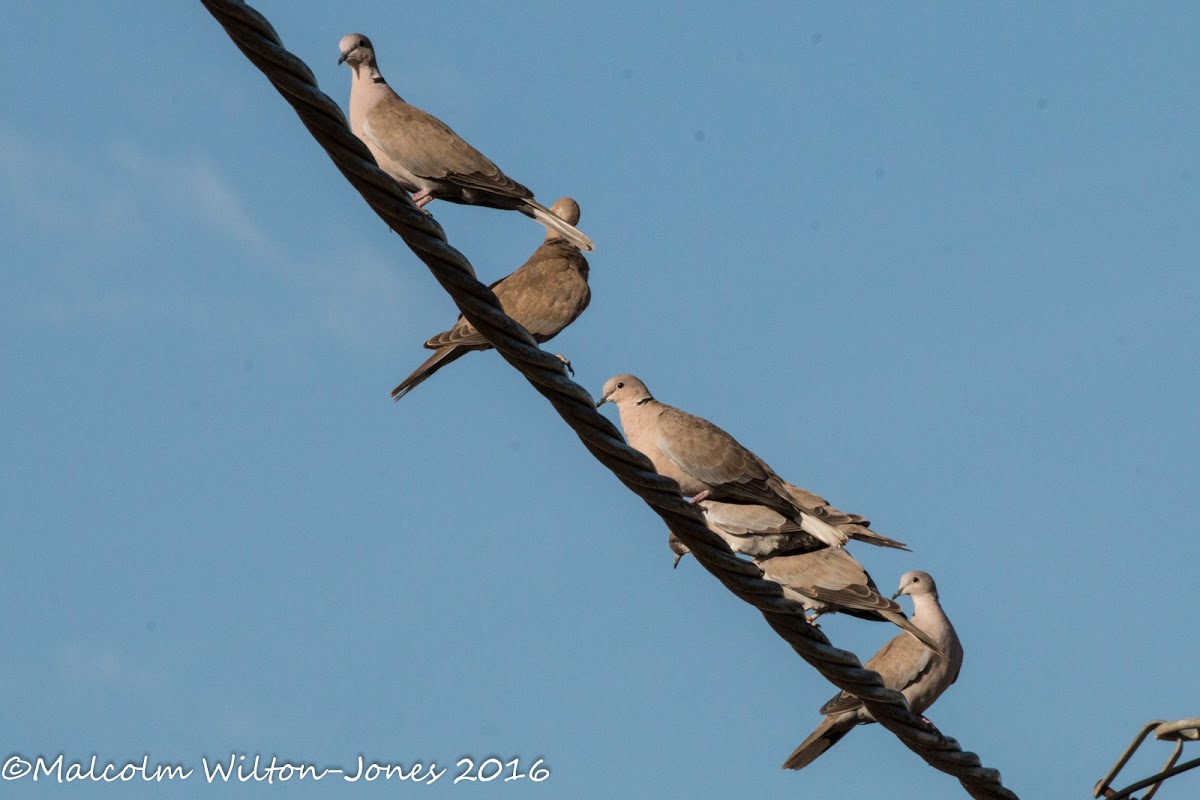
point(255, 37)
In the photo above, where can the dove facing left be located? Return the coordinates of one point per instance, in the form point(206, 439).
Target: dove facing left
point(709, 464)
point(424, 155)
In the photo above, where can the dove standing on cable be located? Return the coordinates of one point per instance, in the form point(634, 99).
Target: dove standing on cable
point(545, 294)
point(757, 531)
point(824, 579)
point(905, 665)
point(424, 155)
point(708, 463)
point(830, 580)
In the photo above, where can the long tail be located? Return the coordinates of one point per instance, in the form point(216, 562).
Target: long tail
point(859, 533)
point(902, 621)
point(853, 526)
point(547, 217)
point(828, 733)
point(440, 358)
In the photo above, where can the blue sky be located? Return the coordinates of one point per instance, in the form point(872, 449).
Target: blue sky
point(936, 264)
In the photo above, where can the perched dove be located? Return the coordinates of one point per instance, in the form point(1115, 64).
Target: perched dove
point(831, 580)
point(545, 294)
point(825, 579)
point(708, 463)
point(905, 665)
point(424, 155)
point(759, 532)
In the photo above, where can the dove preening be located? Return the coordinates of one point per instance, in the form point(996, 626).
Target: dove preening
point(905, 665)
point(545, 294)
point(708, 463)
point(424, 155)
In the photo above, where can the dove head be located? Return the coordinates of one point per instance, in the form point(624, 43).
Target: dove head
point(677, 547)
point(566, 209)
point(356, 49)
point(624, 390)
point(915, 583)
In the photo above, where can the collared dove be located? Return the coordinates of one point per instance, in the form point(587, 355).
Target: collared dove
point(756, 531)
point(423, 155)
point(759, 532)
point(905, 665)
point(830, 580)
point(545, 294)
point(825, 579)
point(708, 463)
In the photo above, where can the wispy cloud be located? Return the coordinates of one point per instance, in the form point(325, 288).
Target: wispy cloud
point(99, 237)
point(198, 189)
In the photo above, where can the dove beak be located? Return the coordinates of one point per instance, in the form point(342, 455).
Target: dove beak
point(897, 593)
point(342, 60)
point(601, 401)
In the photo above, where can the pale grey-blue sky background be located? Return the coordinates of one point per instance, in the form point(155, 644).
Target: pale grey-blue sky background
point(938, 264)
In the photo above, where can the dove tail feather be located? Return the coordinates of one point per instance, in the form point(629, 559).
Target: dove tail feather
point(828, 733)
point(547, 217)
point(901, 620)
point(871, 537)
point(441, 357)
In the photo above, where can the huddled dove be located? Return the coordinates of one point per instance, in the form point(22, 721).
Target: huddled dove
point(825, 579)
point(424, 155)
point(545, 294)
point(905, 665)
point(831, 580)
point(759, 532)
point(708, 463)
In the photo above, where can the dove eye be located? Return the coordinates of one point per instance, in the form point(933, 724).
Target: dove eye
point(621, 385)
